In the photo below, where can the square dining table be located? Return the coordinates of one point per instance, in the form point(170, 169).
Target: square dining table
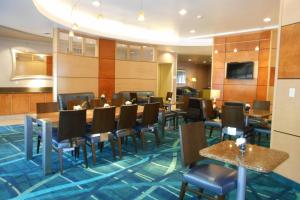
point(47, 121)
point(256, 158)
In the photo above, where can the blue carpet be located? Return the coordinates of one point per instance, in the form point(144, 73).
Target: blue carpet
point(151, 174)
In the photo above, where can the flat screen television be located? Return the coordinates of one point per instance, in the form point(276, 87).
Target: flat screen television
point(240, 70)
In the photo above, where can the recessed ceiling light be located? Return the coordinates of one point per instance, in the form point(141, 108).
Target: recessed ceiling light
point(257, 48)
point(141, 16)
point(190, 60)
point(182, 12)
point(199, 16)
point(235, 50)
point(267, 19)
point(71, 33)
point(192, 31)
point(96, 3)
point(204, 62)
point(216, 51)
point(75, 26)
point(99, 17)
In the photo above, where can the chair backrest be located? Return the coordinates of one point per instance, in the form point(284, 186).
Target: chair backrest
point(195, 109)
point(233, 116)
point(127, 118)
point(169, 95)
point(133, 97)
point(75, 102)
point(208, 109)
point(185, 99)
point(157, 100)
point(46, 107)
point(192, 139)
point(150, 114)
point(261, 105)
point(72, 124)
point(96, 103)
point(104, 120)
point(117, 100)
point(63, 99)
point(233, 103)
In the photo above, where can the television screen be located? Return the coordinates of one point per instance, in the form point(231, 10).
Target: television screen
point(240, 70)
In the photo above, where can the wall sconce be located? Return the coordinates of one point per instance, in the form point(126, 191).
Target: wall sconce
point(193, 80)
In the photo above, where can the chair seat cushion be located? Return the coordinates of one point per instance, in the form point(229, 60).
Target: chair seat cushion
point(63, 143)
point(211, 177)
point(213, 123)
point(99, 137)
point(263, 131)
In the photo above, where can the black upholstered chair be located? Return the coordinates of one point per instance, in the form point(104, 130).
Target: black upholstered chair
point(195, 109)
point(212, 178)
point(125, 126)
point(84, 103)
point(63, 99)
point(133, 97)
point(261, 105)
point(117, 100)
point(233, 116)
point(164, 115)
point(182, 109)
point(70, 133)
point(103, 126)
point(211, 117)
point(44, 108)
point(148, 122)
point(96, 103)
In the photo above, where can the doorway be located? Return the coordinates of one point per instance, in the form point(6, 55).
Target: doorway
point(165, 73)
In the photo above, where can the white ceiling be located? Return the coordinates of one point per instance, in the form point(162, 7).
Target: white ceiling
point(162, 25)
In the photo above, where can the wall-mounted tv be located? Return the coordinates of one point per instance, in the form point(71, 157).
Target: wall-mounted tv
point(240, 70)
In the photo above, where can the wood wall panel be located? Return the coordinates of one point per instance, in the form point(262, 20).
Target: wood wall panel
point(263, 60)
point(264, 44)
point(107, 69)
point(241, 56)
point(107, 64)
point(49, 66)
point(135, 85)
point(74, 85)
point(218, 76)
point(261, 93)
point(262, 78)
point(5, 104)
point(20, 103)
point(272, 76)
point(136, 70)
point(244, 93)
point(219, 40)
point(240, 82)
point(289, 52)
point(34, 99)
point(243, 37)
point(219, 60)
point(242, 46)
point(221, 48)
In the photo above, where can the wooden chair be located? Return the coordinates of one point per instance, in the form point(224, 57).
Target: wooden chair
point(44, 108)
point(126, 123)
point(70, 134)
point(216, 179)
point(210, 117)
point(233, 116)
point(133, 97)
point(148, 122)
point(117, 100)
point(103, 126)
point(164, 115)
point(182, 109)
point(261, 105)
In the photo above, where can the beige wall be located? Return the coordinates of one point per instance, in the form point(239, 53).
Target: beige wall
point(285, 130)
point(135, 75)
point(6, 61)
point(200, 71)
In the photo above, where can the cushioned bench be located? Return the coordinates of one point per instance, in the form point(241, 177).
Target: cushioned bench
point(142, 96)
point(64, 98)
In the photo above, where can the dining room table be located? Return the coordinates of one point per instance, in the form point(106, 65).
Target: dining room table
point(257, 114)
point(46, 121)
point(256, 158)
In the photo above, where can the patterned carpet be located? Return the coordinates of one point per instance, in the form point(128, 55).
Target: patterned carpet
point(152, 174)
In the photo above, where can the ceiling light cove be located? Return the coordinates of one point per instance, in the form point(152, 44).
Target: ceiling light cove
point(59, 12)
point(96, 3)
point(192, 31)
point(267, 19)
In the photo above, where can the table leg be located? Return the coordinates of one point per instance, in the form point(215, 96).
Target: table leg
point(28, 137)
point(47, 147)
point(241, 187)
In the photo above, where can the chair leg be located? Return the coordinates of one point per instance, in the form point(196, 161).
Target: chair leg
point(183, 190)
point(174, 122)
point(222, 197)
point(101, 146)
point(211, 131)
point(85, 154)
point(201, 192)
point(142, 135)
point(93, 152)
point(259, 138)
point(38, 144)
point(126, 140)
point(156, 137)
point(163, 127)
point(134, 142)
point(60, 158)
point(112, 144)
point(120, 147)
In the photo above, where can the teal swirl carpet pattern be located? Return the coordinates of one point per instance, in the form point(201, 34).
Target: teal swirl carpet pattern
point(154, 173)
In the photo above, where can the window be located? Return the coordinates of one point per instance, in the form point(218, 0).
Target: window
point(181, 77)
point(135, 52)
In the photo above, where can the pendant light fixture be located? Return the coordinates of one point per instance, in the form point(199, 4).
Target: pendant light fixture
point(74, 24)
point(141, 16)
point(100, 15)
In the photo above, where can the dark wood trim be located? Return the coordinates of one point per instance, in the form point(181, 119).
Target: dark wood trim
point(12, 90)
